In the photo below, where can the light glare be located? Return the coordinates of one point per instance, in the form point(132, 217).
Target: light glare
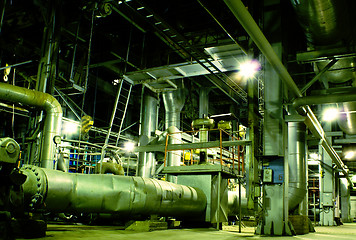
point(330, 114)
point(129, 146)
point(349, 155)
point(249, 68)
point(70, 127)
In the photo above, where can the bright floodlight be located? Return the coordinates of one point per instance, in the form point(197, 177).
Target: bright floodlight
point(129, 146)
point(249, 68)
point(330, 114)
point(70, 127)
point(349, 155)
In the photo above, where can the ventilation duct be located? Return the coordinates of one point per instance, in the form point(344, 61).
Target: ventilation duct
point(326, 24)
point(173, 104)
point(146, 165)
point(53, 120)
point(297, 164)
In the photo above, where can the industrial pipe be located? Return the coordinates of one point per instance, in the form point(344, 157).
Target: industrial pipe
point(323, 99)
point(58, 191)
point(233, 202)
point(173, 104)
point(324, 21)
point(297, 188)
point(53, 120)
point(249, 24)
point(146, 160)
point(347, 116)
point(109, 167)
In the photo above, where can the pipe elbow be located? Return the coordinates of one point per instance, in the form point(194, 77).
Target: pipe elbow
point(52, 106)
point(298, 105)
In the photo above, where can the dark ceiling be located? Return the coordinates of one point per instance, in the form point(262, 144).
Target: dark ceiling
point(114, 38)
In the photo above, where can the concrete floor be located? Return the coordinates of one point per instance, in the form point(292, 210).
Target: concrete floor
point(54, 232)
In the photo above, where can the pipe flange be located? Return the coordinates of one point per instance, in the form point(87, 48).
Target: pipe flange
point(38, 182)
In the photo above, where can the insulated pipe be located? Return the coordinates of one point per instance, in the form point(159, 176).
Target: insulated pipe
point(53, 120)
point(322, 99)
point(324, 21)
point(57, 191)
point(233, 202)
point(173, 104)
point(146, 160)
point(297, 164)
point(109, 167)
point(203, 102)
point(347, 117)
point(249, 24)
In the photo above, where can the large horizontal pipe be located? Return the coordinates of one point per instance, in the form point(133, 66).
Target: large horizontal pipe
point(52, 123)
point(58, 191)
point(323, 99)
point(251, 27)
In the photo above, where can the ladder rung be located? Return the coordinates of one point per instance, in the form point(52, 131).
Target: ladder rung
point(123, 103)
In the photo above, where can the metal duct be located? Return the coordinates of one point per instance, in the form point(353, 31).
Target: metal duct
point(342, 71)
point(203, 102)
point(146, 160)
point(109, 167)
point(57, 191)
point(173, 104)
point(347, 108)
point(251, 27)
point(297, 164)
point(347, 117)
point(327, 22)
point(233, 202)
point(324, 21)
point(53, 120)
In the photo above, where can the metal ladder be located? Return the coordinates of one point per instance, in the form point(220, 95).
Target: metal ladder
point(120, 107)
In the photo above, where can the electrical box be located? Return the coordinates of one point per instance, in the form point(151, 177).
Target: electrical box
point(267, 175)
point(276, 165)
point(328, 200)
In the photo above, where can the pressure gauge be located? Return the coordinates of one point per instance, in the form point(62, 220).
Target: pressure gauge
point(57, 139)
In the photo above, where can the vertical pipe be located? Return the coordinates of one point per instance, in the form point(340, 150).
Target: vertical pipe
point(297, 163)
point(53, 120)
point(203, 102)
point(173, 104)
point(146, 160)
